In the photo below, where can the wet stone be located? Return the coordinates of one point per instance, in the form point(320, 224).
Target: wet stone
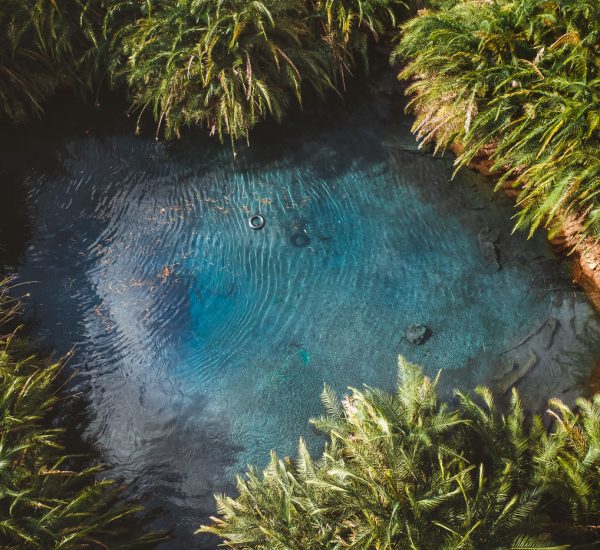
point(518, 371)
point(489, 235)
point(418, 334)
point(548, 331)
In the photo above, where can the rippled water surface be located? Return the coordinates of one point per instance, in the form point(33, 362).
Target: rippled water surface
point(203, 344)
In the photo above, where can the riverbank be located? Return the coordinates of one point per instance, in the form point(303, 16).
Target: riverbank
point(567, 238)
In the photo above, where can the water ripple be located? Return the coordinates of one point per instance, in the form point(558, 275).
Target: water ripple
point(203, 343)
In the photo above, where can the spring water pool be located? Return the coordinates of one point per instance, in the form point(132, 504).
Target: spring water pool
point(202, 344)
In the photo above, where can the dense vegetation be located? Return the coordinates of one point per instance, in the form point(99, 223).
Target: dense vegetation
point(45, 48)
point(227, 64)
point(403, 470)
point(521, 80)
point(223, 64)
point(48, 499)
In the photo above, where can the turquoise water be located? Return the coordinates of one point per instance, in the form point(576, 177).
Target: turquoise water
point(202, 344)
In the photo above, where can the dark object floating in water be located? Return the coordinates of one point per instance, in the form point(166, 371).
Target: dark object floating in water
point(418, 334)
point(256, 221)
point(300, 240)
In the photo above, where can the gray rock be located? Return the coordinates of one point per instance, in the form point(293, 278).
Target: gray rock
point(300, 240)
point(486, 239)
point(503, 369)
point(489, 235)
point(418, 334)
point(547, 330)
point(490, 253)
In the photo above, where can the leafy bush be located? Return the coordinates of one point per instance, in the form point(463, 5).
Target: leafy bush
point(48, 499)
point(46, 45)
point(223, 64)
point(228, 64)
point(403, 470)
point(347, 26)
point(520, 78)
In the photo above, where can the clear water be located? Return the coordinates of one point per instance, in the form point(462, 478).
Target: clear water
point(202, 344)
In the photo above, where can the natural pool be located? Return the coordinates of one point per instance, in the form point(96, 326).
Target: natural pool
point(202, 343)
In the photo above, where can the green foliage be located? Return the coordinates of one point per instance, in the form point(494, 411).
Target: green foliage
point(223, 64)
point(402, 470)
point(346, 26)
point(48, 499)
point(45, 45)
point(520, 77)
point(228, 64)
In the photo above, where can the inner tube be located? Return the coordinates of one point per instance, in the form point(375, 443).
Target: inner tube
point(256, 221)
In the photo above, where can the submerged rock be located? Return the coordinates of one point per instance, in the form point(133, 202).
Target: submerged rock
point(547, 330)
point(515, 374)
point(489, 235)
point(487, 239)
point(418, 334)
point(490, 253)
point(300, 240)
point(505, 368)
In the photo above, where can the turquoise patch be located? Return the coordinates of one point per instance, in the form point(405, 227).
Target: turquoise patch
point(305, 356)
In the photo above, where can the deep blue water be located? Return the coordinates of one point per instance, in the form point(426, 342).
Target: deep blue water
point(202, 344)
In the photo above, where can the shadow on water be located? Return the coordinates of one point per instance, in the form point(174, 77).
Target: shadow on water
point(202, 344)
point(15, 230)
